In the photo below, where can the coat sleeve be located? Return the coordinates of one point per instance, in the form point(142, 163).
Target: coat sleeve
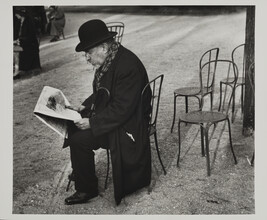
point(124, 100)
point(88, 102)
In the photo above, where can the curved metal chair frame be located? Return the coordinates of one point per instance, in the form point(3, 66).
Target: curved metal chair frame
point(207, 118)
point(155, 85)
point(117, 27)
point(206, 89)
point(229, 80)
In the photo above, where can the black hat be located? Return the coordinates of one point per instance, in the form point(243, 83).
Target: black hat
point(92, 33)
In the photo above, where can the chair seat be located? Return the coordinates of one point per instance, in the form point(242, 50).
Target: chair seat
point(230, 80)
point(197, 117)
point(187, 91)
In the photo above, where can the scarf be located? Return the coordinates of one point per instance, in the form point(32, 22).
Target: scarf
point(100, 72)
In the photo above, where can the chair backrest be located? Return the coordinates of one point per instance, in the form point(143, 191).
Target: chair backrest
point(207, 79)
point(117, 27)
point(155, 85)
point(223, 67)
point(239, 58)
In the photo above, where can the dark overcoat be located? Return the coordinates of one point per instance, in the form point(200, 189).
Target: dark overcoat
point(29, 58)
point(125, 121)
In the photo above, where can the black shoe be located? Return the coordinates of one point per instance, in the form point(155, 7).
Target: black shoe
point(52, 40)
point(56, 38)
point(80, 197)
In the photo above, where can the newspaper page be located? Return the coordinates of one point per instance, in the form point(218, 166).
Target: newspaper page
point(51, 110)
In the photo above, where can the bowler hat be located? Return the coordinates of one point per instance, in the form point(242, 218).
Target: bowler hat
point(92, 33)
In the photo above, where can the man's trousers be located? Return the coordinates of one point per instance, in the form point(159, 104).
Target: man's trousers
point(82, 143)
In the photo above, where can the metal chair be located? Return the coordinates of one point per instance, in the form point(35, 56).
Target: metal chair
point(238, 57)
point(117, 27)
point(206, 89)
point(251, 77)
point(155, 85)
point(207, 118)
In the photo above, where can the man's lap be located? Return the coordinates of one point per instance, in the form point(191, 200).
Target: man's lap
point(87, 138)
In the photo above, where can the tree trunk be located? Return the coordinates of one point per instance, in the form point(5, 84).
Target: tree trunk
point(249, 109)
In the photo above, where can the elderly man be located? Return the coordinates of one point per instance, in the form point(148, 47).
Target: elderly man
point(119, 122)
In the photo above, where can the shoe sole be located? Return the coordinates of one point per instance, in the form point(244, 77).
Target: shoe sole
point(80, 201)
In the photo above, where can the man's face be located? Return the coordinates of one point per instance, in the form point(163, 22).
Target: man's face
point(96, 55)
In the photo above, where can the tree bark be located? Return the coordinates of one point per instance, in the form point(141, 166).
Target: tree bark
point(249, 108)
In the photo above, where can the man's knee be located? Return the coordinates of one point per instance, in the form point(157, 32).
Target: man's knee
point(78, 140)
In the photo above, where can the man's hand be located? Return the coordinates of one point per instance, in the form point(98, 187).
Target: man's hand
point(75, 108)
point(82, 123)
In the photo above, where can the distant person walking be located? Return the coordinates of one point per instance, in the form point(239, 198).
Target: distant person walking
point(25, 38)
point(57, 22)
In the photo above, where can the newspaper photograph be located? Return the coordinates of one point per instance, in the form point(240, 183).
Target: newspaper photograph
point(51, 110)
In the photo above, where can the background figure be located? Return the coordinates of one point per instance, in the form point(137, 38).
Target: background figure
point(25, 37)
point(16, 47)
point(38, 15)
point(57, 21)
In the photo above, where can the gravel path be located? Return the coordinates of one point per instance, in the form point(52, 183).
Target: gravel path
point(169, 45)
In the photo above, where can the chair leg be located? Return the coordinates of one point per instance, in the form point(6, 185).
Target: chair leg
point(230, 138)
point(71, 178)
point(186, 104)
point(211, 100)
point(199, 102)
point(219, 109)
point(157, 148)
point(233, 105)
point(202, 140)
point(106, 181)
point(179, 142)
point(174, 112)
point(68, 186)
point(206, 130)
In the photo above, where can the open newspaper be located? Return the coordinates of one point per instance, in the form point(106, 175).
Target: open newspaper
point(51, 110)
